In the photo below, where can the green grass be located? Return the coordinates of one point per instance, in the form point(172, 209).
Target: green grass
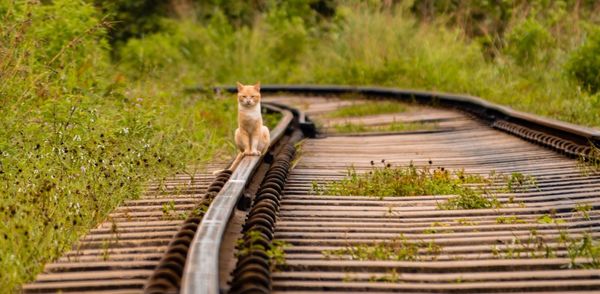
point(368, 108)
point(393, 127)
point(399, 248)
point(472, 191)
point(271, 119)
point(391, 180)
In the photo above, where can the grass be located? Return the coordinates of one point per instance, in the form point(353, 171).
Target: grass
point(271, 119)
point(393, 127)
point(533, 246)
point(368, 108)
point(275, 251)
point(399, 248)
point(470, 199)
point(399, 181)
point(471, 191)
point(411, 180)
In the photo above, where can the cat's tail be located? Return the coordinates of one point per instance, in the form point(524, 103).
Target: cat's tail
point(233, 165)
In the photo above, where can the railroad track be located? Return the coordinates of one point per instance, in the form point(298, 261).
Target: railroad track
point(324, 238)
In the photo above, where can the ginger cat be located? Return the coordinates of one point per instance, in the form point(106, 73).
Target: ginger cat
point(251, 137)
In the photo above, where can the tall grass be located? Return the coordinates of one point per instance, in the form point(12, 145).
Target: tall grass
point(76, 138)
point(535, 69)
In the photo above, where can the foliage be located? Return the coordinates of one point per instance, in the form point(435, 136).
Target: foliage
point(470, 199)
point(364, 109)
point(399, 248)
point(75, 139)
point(393, 127)
point(400, 181)
point(584, 64)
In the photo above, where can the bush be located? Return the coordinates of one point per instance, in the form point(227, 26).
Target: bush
point(76, 139)
point(584, 63)
point(528, 43)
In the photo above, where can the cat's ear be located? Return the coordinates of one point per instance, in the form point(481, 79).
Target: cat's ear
point(239, 86)
point(257, 86)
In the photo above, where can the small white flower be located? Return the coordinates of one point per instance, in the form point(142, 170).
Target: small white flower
point(125, 130)
point(77, 138)
point(83, 169)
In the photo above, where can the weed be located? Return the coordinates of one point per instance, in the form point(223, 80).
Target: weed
point(470, 199)
point(583, 209)
point(585, 247)
point(298, 155)
point(393, 127)
point(370, 108)
point(399, 248)
point(391, 276)
point(532, 247)
point(105, 249)
point(465, 222)
point(435, 228)
point(518, 182)
point(590, 163)
point(509, 220)
point(275, 251)
point(398, 181)
point(168, 209)
point(547, 219)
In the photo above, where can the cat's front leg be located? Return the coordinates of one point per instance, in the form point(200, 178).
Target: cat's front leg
point(254, 146)
point(244, 142)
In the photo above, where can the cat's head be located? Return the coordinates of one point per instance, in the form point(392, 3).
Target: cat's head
point(248, 96)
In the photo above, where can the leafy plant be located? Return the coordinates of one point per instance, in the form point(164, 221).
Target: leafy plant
point(398, 181)
point(368, 108)
point(393, 127)
point(399, 248)
point(584, 62)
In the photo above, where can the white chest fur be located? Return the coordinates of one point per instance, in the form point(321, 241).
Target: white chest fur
point(249, 117)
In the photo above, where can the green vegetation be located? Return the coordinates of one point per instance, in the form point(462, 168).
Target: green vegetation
point(369, 108)
point(270, 119)
point(413, 181)
point(535, 246)
point(472, 191)
point(399, 181)
point(92, 102)
point(583, 209)
point(518, 182)
point(399, 248)
point(470, 199)
point(509, 220)
point(275, 250)
point(393, 127)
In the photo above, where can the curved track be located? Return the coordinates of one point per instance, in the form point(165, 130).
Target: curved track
point(513, 248)
point(530, 243)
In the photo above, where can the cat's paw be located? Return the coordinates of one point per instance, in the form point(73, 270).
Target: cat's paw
point(255, 153)
point(248, 153)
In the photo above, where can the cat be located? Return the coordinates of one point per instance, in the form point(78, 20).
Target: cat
point(252, 138)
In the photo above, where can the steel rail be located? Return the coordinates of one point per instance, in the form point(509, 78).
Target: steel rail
point(202, 265)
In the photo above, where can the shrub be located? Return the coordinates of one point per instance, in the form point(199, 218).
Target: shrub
point(528, 42)
point(584, 63)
